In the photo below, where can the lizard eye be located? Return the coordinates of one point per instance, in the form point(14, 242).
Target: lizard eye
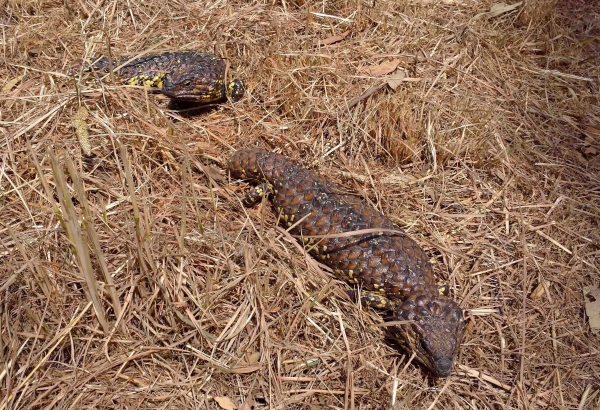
point(187, 83)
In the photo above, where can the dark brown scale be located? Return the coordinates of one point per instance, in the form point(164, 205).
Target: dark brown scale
point(184, 76)
point(392, 268)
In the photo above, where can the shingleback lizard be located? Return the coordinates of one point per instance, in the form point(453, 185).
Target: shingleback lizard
point(392, 269)
point(183, 76)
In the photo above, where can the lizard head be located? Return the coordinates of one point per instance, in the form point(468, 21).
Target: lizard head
point(434, 332)
point(200, 86)
point(235, 89)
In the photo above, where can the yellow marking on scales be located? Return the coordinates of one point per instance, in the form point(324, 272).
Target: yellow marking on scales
point(382, 304)
point(146, 80)
point(377, 301)
point(231, 87)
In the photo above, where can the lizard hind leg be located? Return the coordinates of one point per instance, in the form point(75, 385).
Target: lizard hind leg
point(375, 300)
point(255, 195)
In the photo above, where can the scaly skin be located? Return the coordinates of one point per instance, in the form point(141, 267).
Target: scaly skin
point(393, 271)
point(184, 76)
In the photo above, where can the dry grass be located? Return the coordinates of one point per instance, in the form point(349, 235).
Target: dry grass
point(137, 280)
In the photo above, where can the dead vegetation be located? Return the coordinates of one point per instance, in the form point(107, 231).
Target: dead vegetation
point(135, 279)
